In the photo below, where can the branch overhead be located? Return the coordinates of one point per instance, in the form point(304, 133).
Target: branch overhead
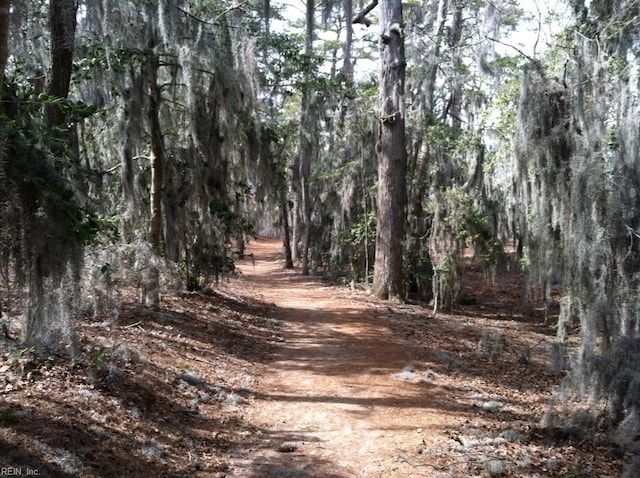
point(360, 17)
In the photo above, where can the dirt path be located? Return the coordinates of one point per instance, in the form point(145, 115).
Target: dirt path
point(329, 404)
point(356, 387)
point(273, 375)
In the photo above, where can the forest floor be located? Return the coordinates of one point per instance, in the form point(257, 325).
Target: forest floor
point(278, 375)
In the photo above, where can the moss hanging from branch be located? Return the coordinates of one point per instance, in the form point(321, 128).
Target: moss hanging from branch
point(47, 229)
point(577, 190)
point(200, 72)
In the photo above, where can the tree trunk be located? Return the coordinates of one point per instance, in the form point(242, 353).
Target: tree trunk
point(151, 277)
point(445, 247)
point(454, 109)
point(306, 241)
point(306, 148)
point(54, 253)
point(388, 277)
point(62, 18)
point(156, 156)
point(288, 263)
point(5, 17)
point(266, 18)
point(295, 225)
point(129, 134)
point(347, 63)
point(419, 263)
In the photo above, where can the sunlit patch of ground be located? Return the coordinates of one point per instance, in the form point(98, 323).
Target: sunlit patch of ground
point(276, 375)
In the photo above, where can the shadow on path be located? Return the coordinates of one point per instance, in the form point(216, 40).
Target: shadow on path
point(331, 380)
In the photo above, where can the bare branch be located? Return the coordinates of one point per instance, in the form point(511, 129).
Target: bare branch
point(190, 15)
point(163, 85)
point(230, 9)
point(511, 46)
point(360, 17)
point(111, 170)
point(215, 20)
point(535, 45)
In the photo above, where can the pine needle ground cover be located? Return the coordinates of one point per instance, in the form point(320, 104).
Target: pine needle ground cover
point(276, 374)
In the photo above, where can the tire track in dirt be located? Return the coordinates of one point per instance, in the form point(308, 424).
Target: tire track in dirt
point(328, 404)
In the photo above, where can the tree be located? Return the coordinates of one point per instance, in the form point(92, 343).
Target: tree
point(347, 64)
point(454, 71)
point(5, 16)
point(388, 278)
point(44, 243)
point(181, 93)
point(156, 156)
point(55, 263)
point(576, 179)
point(62, 19)
point(307, 147)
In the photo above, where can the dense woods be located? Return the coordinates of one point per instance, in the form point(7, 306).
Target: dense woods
point(143, 143)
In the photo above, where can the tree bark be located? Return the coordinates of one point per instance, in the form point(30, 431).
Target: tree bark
point(5, 17)
point(388, 277)
point(347, 64)
point(361, 16)
point(445, 247)
point(54, 263)
point(454, 108)
point(419, 224)
point(286, 243)
point(156, 154)
point(306, 148)
point(62, 19)
point(266, 18)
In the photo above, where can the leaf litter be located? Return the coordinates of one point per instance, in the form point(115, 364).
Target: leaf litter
point(274, 374)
